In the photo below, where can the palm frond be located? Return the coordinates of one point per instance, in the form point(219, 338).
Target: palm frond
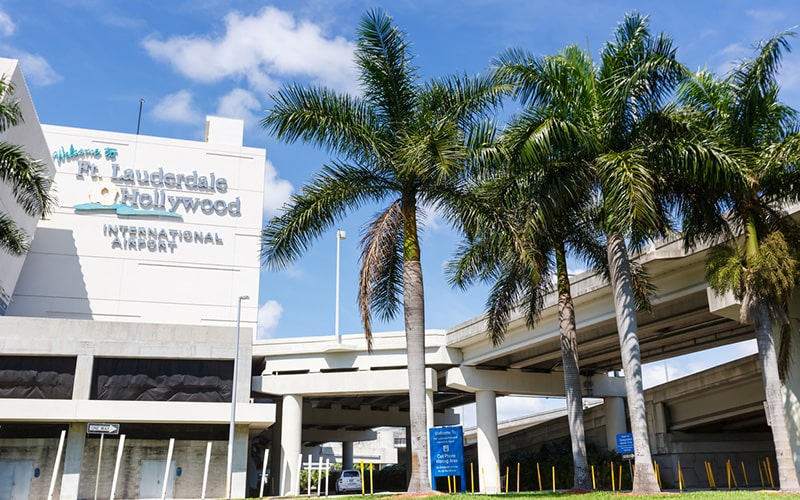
point(381, 277)
point(329, 195)
point(28, 178)
point(10, 112)
point(341, 124)
point(13, 239)
point(387, 76)
point(754, 80)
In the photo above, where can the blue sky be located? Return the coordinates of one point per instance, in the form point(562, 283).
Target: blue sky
point(88, 62)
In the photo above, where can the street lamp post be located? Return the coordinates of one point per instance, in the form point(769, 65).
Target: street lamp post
point(340, 235)
point(233, 395)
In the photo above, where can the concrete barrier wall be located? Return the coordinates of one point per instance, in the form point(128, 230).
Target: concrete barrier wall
point(188, 455)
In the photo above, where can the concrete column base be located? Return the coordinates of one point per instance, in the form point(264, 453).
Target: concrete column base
point(73, 456)
point(615, 420)
point(488, 442)
point(291, 442)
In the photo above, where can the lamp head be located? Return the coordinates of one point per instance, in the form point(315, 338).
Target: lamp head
point(341, 234)
point(244, 297)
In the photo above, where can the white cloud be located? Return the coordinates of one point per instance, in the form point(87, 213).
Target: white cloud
point(239, 103)
point(766, 16)
point(260, 48)
point(268, 316)
point(37, 70)
point(7, 26)
point(177, 108)
point(276, 191)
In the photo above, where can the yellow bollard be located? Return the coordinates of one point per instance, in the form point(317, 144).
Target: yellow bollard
point(744, 473)
point(733, 475)
point(657, 473)
point(769, 474)
point(594, 484)
point(711, 480)
point(539, 473)
point(517, 477)
point(728, 472)
point(507, 474)
point(553, 472)
point(499, 485)
point(680, 477)
point(472, 477)
point(449, 488)
point(613, 480)
point(362, 477)
point(620, 478)
point(371, 489)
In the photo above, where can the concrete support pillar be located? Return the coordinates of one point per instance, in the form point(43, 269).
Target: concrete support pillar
point(615, 420)
point(82, 386)
point(347, 454)
point(488, 443)
point(792, 387)
point(291, 441)
point(73, 456)
point(241, 447)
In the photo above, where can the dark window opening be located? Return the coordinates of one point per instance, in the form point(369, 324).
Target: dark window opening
point(37, 377)
point(132, 379)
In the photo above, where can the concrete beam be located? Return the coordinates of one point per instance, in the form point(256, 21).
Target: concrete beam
point(470, 379)
point(48, 410)
point(337, 435)
point(367, 417)
point(340, 383)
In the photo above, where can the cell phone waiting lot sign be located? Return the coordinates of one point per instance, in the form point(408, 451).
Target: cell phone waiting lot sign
point(447, 453)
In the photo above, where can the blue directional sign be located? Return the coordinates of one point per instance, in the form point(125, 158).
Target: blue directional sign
point(447, 453)
point(625, 443)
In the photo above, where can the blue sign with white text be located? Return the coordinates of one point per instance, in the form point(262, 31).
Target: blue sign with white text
point(447, 453)
point(625, 443)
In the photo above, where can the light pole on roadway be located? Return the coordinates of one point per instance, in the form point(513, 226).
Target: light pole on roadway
point(233, 396)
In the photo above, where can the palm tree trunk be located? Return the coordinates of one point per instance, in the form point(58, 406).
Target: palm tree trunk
point(572, 379)
point(644, 481)
point(414, 311)
point(773, 392)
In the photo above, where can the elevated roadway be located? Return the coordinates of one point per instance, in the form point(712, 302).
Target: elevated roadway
point(339, 386)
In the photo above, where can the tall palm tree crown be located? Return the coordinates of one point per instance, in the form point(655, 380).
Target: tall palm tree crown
point(401, 143)
point(743, 113)
point(28, 178)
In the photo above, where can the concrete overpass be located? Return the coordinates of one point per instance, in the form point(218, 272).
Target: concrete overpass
point(338, 386)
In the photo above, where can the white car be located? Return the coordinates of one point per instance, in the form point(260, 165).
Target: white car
point(350, 480)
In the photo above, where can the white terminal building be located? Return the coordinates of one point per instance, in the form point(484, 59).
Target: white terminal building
point(125, 311)
point(124, 317)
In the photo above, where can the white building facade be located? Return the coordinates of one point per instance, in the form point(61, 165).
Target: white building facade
point(148, 229)
point(126, 312)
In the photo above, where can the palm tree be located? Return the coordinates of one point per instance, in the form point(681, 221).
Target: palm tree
point(27, 177)
point(616, 115)
point(743, 113)
point(529, 216)
point(402, 142)
point(516, 244)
